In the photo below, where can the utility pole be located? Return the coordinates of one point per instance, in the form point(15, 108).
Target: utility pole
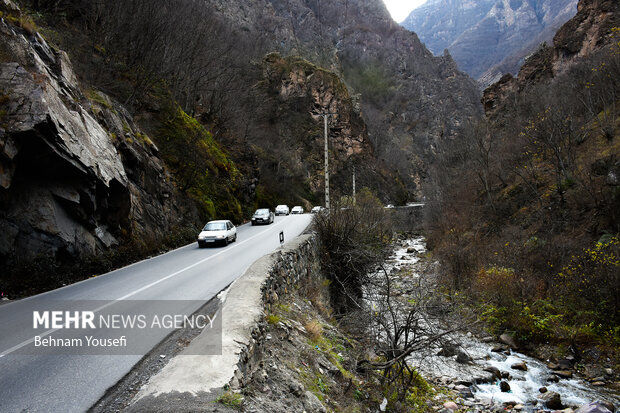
point(325, 115)
point(354, 200)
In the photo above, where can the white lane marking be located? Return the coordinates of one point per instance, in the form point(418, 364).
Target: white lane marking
point(103, 275)
point(48, 332)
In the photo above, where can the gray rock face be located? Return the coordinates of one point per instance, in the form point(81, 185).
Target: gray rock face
point(73, 180)
point(490, 36)
point(312, 403)
point(594, 407)
point(409, 99)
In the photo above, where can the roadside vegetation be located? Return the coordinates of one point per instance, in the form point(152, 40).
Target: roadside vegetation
point(523, 209)
point(354, 242)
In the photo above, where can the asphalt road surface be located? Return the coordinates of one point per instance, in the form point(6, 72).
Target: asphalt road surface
point(68, 383)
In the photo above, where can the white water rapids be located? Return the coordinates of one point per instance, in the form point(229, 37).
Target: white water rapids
point(524, 385)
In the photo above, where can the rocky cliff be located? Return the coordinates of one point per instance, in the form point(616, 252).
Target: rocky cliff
point(487, 37)
point(77, 175)
point(593, 28)
point(409, 99)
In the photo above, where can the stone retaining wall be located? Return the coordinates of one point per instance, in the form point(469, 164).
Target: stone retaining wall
point(289, 267)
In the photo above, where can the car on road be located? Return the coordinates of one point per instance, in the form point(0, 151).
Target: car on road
point(297, 210)
point(263, 216)
point(317, 209)
point(217, 232)
point(389, 206)
point(282, 210)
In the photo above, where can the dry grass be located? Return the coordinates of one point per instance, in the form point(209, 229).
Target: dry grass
point(314, 329)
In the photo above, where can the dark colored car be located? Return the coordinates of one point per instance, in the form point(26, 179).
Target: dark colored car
point(263, 216)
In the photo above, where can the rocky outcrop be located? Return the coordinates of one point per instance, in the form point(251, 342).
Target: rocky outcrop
point(409, 99)
point(591, 30)
point(487, 36)
point(77, 176)
point(296, 94)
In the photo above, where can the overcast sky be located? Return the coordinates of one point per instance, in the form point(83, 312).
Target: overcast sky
point(400, 9)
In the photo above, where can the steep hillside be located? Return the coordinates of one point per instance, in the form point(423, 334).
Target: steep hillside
point(529, 198)
point(409, 99)
point(176, 112)
point(440, 22)
point(482, 35)
point(80, 179)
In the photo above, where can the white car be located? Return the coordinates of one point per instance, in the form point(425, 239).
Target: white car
point(217, 232)
point(317, 209)
point(297, 210)
point(282, 210)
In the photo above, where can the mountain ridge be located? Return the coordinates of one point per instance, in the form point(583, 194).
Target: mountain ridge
point(506, 27)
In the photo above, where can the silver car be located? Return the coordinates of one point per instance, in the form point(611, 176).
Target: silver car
point(263, 216)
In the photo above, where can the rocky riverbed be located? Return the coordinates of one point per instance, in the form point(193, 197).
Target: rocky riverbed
point(484, 373)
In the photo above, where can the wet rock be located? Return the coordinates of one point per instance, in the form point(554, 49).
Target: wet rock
point(553, 379)
point(448, 350)
point(411, 250)
point(594, 407)
point(519, 366)
point(609, 372)
point(505, 375)
point(504, 386)
point(518, 407)
point(464, 391)
point(494, 371)
point(566, 363)
point(552, 400)
point(498, 349)
point(543, 390)
point(463, 358)
point(509, 340)
point(489, 378)
point(564, 374)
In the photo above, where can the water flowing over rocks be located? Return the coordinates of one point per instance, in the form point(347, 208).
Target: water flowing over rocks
point(496, 377)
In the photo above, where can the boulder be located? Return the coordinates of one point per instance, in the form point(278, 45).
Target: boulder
point(594, 407)
point(543, 390)
point(411, 250)
point(564, 374)
point(494, 371)
point(463, 358)
point(312, 403)
point(504, 386)
point(451, 406)
point(566, 363)
point(448, 350)
point(552, 400)
point(509, 340)
point(519, 366)
point(464, 391)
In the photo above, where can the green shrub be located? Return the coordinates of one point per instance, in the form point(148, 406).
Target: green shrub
point(230, 399)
